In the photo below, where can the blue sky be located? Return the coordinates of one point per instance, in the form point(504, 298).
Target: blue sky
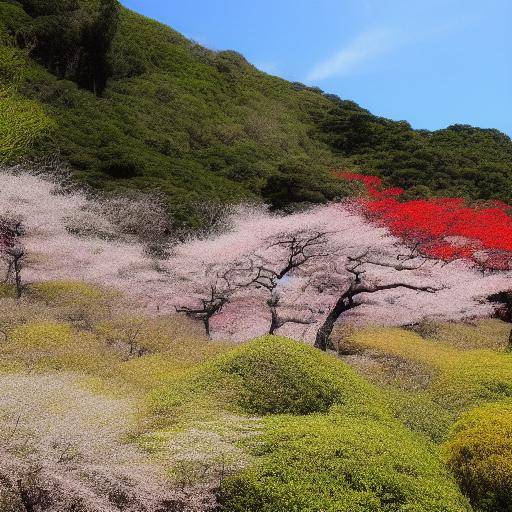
point(432, 63)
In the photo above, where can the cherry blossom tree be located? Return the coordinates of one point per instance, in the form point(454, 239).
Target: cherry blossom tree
point(355, 288)
point(209, 294)
point(284, 255)
point(61, 249)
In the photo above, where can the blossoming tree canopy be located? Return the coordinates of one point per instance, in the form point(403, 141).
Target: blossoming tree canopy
point(445, 228)
point(66, 236)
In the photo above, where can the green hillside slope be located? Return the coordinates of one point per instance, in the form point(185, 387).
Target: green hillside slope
point(130, 103)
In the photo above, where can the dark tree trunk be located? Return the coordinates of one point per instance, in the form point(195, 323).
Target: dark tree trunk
point(25, 498)
point(206, 323)
point(17, 278)
point(324, 333)
point(274, 323)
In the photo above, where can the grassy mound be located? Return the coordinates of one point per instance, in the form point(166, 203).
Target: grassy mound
point(341, 463)
point(50, 345)
point(480, 455)
point(58, 292)
point(269, 375)
point(275, 375)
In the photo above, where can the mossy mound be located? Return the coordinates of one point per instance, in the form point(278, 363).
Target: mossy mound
point(480, 455)
point(50, 345)
point(341, 463)
point(275, 375)
point(269, 375)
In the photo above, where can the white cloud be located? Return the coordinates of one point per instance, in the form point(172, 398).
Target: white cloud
point(363, 48)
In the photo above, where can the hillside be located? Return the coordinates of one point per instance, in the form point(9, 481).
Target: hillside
point(124, 385)
point(131, 104)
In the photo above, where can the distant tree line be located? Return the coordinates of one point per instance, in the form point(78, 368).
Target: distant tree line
point(72, 39)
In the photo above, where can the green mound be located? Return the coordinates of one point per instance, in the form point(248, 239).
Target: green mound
point(480, 455)
point(269, 375)
point(341, 463)
point(275, 375)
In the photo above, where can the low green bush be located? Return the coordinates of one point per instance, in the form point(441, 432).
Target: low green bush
point(59, 292)
point(480, 455)
point(341, 463)
point(275, 375)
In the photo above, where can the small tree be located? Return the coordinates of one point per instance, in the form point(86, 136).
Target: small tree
point(15, 257)
point(209, 291)
point(209, 306)
point(12, 252)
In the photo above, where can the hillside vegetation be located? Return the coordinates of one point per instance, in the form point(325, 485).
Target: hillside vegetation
point(183, 424)
point(168, 420)
point(132, 104)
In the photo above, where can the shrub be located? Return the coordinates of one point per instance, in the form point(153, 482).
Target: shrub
point(341, 463)
point(480, 455)
point(59, 292)
point(75, 301)
point(48, 345)
point(274, 375)
point(22, 123)
point(42, 335)
point(268, 375)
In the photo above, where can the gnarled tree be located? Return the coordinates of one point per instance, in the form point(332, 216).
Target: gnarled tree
point(284, 255)
point(356, 287)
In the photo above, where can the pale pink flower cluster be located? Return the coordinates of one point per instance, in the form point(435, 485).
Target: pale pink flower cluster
point(59, 456)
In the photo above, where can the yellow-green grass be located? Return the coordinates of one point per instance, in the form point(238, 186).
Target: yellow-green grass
point(459, 378)
point(269, 375)
point(337, 446)
point(489, 333)
point(49, 346)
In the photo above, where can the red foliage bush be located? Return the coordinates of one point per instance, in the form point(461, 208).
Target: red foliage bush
point(446, 229)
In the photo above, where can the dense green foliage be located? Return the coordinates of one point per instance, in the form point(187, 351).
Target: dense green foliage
point(480, 454)
point(353, 457)
point(460, 161)
point(199, 124)
point(341, 462)
point(328, 441)
point(274, 375)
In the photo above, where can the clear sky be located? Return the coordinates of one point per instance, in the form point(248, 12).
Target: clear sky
point(432, 63)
